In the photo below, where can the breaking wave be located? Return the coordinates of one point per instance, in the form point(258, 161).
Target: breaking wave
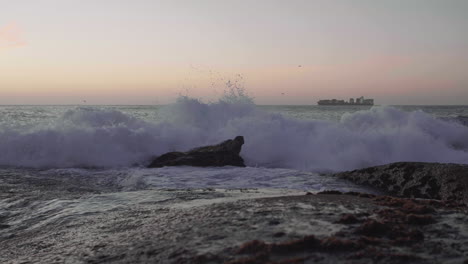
point(93, 137)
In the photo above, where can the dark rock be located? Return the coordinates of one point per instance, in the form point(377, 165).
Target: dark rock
point(348, 219)
point(274, 222)
point(374, 228)
point(405, 205)
point(223, 154)
point(279, 234)
point(363, 195)
point(386, 257)
point(330, 192)
point(257, 259)
point(416, 180)
point(239, 232)
point(306, 243)
point(335, 244)
point(419, 219)
point(370, 240)
point(251, 247)
point(417, 209)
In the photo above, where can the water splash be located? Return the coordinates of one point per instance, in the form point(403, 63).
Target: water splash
point(93, 137)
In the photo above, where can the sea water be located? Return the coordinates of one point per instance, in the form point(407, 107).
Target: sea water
point(288, 150)
point(285, 146)
point(276, 136)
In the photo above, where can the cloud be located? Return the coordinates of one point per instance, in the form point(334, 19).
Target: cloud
point(10, 36)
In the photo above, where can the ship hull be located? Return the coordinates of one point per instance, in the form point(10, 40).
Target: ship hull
point(359, 101)
point(341, 104)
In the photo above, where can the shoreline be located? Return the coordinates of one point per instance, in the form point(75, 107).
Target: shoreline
point(45, 220)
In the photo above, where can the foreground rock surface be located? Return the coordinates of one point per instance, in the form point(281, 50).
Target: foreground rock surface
point(66, 224)
point(416, 180)
point(223, 154)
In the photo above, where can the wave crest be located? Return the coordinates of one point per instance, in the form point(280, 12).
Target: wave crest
point(91, 137)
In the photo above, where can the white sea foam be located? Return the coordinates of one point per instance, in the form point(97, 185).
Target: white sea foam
point(93, 137)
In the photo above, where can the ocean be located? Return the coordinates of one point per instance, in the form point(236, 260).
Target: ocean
point(67, 172)
point(288, 147)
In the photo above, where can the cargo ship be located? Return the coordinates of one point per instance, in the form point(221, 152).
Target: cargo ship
point(358, 101)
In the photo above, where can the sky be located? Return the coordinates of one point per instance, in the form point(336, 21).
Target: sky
point(280, 52)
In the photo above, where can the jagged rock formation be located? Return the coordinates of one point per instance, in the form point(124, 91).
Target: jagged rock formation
point(416, 180)
point(224, 154)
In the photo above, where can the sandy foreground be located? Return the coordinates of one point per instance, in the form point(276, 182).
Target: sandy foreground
point(50, 220)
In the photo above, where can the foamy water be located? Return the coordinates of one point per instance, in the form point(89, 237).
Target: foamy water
point(119, 137)
point(286, 149)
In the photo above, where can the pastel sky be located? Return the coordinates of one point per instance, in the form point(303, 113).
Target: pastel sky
point(282, 52)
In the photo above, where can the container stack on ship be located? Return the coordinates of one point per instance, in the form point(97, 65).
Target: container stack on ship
point(359, 101)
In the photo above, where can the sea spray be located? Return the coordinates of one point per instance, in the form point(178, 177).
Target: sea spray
point(97, 137)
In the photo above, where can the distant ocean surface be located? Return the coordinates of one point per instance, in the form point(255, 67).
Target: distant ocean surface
point(285, 146)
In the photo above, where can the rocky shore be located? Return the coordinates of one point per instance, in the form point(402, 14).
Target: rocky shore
point(225, 153)
point(46, 219)
point(416, 180)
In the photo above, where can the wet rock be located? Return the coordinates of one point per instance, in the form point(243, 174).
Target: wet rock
point(257, 259)
point(416, 208)
point(371, 240)
point(363, 195)
point(335, 244)
point(348, 219)
point(306, 243)
point(416, 180)
point(330, 192)
point(374, 228)
point(224, 154)
point(419, 219)
point(406, 205)
point(379, 256)
point(279, 234)
point(251, 247)
point(181, 230)
point(274, 222)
